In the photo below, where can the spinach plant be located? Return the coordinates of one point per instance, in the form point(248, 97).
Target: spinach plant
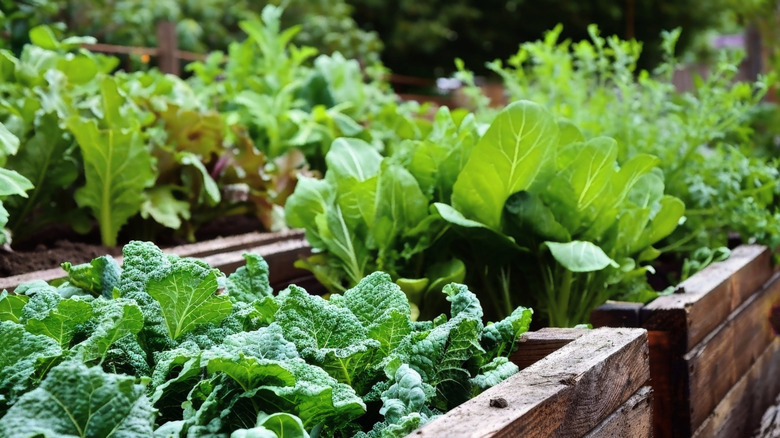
point(528, 212)
point(703, 136)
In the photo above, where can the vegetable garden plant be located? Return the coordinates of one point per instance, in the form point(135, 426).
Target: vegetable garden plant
point(166, 346)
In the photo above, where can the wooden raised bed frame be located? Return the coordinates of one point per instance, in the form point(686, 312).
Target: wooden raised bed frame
point(572, 383)
point(714, 356)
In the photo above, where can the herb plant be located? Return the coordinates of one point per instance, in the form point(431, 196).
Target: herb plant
point(167, 346)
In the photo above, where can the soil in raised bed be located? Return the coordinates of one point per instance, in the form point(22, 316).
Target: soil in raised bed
point(50, 247)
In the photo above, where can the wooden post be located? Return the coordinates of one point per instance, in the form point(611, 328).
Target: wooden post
point(167, 46)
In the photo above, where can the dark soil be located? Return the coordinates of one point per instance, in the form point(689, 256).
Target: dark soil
point(51, 247)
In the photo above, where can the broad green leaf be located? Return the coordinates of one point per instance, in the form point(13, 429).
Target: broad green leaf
point(12, 183)
point(282, 424)
point(351, 158)
point(665, 221)
point(22, 354)
point(530, 222)
point(113, 320)
point(580, 256)
point(493, 373)
point(80, 69)
point(506, 160)
point(43, 37)
point(117, 167)
point(250, 282)
point(312, 199)
point(400, 205)
point(648, 190)
point(630, 172)
point(358, 201)
point(48, 161)
point(161, 205)
point(9, 143)
point(61, 323)
point(488, 240)
point(592, 170)
point(11, 306)
point(187, 297)
point(500, 338)
point(77, 401)
point(250, 372)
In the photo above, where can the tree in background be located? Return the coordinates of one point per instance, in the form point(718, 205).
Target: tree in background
point(423, 37)
point(202, 25)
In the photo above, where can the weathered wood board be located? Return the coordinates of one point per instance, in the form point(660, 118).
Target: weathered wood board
point(704, 339)
point(280, 249)
point(591, 386)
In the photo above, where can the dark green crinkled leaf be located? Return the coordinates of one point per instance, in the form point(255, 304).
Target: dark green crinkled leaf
point(187, 296)
point(78, 401)
point(61, 323)
point(249, 282)
point(21, 356)
point(11, 306)
point(493, 373)
point(113, 320)
point(98, 277)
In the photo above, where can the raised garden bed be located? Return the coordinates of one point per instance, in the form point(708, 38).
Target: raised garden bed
point(714, 356)
point(280, 249)
point(561, 390)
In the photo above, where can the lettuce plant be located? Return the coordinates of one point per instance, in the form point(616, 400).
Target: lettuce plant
point(168, 346)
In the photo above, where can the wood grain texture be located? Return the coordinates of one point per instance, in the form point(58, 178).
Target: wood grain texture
point(534, 346)
point(770, 422)
point(707, 298)
point(728, 353)
point(237, 243)
point(740, 412)
point(617, 314)
point(563, 395)
point(634, 419)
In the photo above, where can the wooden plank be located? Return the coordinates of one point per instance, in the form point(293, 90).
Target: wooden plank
point(634, 419)
point(740, 412)
point(562, 395)
point(280, 257)
point(534, 346)
point(167, 43)
point(616, 314)
point(669, 379)
point(199, 250)
point(707, 298)
point(725, 355)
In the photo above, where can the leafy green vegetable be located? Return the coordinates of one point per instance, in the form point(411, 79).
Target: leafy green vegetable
point(75, 400)
point(171, 352)
point(118, 167)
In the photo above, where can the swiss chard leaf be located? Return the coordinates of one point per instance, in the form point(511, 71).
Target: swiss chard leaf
point(118, 166)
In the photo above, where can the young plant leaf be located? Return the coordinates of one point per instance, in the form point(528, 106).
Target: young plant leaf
point(506, 160)
point(580, 256)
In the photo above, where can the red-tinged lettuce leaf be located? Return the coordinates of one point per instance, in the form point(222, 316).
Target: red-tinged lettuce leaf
point(78, 401)
point(117, 164)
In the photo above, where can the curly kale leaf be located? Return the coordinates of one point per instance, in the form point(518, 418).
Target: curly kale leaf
point(249, 282)
point(78, 401)
point(98, 277)
point(22, 356)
